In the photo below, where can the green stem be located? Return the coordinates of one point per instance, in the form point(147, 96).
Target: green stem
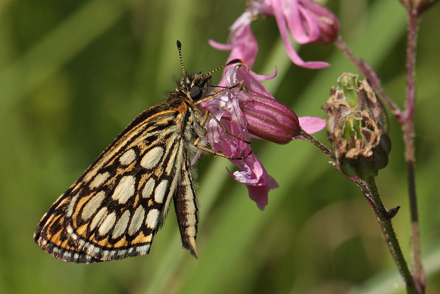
point(384, 219)
point(369, 189)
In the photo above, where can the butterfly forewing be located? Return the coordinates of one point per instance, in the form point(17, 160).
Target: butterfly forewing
point(114, 209)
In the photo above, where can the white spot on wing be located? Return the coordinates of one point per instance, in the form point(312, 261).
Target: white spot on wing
point(136, 220)
point(92, 250)
point(142, 250)
point(177, 159)
point(72, 203)
point(93, 205)
point(128, 157)
point(98, 218)
point(152, 218)
point(121, 252)
point(107, 224)
point(124, 190)
point(152, 157)
point(99, 180)
point(121, 225)
point(148, 188)
point(170, 164)
point(160, 191)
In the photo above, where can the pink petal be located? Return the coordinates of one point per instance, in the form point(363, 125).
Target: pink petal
point(220, 46)
point(258, 182)
point(279, 16)
point(312, 124)
point(302, 23)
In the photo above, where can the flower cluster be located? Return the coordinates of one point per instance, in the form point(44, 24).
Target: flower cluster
point(252, 113)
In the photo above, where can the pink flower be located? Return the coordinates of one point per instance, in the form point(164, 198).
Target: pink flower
point(242, 40)
point(321, 24)
point(306, 20)
point(253, 113)
point(243, 44)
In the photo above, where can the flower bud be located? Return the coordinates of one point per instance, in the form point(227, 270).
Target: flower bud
point(357, 126)
point(269, 119)
point(419, 5)
point(326, 20)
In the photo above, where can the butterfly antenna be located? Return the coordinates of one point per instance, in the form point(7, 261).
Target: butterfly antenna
point(234, 61)
point(179, 47)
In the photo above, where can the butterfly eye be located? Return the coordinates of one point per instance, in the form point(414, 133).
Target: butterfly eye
point(195, 92)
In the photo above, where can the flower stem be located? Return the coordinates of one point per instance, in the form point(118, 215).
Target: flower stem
point(318, 144)
point(369, 189)
point(384, 219)
point(407, 121)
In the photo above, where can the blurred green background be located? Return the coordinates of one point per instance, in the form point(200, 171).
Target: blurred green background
point(73, 74)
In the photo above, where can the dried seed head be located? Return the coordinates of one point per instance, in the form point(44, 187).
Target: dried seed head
point(357, 126)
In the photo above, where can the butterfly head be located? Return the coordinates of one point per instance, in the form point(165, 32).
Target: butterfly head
point(194, 86)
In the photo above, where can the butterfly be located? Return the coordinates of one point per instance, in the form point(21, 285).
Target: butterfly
point(117, 205)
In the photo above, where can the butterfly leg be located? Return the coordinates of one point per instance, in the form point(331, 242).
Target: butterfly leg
point(205, 119)
point(208, 150)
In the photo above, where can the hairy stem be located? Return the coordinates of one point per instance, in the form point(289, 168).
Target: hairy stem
point(384, 219)
point(318, 144)
point(407, 122)
point(369, 189)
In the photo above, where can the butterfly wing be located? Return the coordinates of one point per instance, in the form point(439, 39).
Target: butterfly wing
point(114, 209)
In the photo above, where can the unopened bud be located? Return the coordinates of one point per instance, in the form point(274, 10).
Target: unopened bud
point(357, 126)
point(327, 21)
point(269, 119)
